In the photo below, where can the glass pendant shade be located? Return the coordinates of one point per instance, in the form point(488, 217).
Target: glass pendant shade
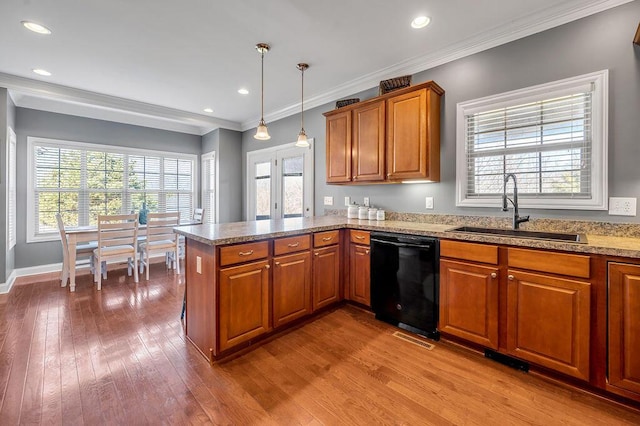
point(302, 136)
point(262, 133)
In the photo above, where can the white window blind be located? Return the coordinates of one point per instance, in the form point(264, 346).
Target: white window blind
point(11, 189)
point(209, 187)
point(82, 181)
point(547, 138)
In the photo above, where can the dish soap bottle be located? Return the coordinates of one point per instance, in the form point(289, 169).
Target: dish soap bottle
point(142, 217)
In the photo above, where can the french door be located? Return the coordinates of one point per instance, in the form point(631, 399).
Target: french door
point(280, 182)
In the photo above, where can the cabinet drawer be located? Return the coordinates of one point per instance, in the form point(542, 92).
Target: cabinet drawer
point(359, 237)
point(291, 244)
point(328, 238)
point(484, 253)
point(573, 265)
point(241, 253)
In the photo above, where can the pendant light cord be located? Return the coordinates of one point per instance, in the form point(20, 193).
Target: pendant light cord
point(262, 87)
point(302, 103)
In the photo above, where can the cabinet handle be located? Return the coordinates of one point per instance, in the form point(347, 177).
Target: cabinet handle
point(293, 245)
point(493, 275)
point(359, 237)
point(267, 266)
point(366, 251)
point(327, 238)
point(317, 254)
point(277, 264)
point(245, 253)
point(511, 277)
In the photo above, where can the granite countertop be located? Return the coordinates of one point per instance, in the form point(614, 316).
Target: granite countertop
point(238, 232)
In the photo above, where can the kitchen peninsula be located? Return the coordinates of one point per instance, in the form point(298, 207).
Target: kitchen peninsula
point(247, 281)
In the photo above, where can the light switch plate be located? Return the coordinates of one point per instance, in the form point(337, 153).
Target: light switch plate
point(347, 201)
point(328, 201)
point(622, 206)
point(366, 201)
point(428, 203)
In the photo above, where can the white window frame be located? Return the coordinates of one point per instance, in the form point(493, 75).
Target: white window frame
point(599, 82)
point(271, 154)
point(57, 143)
point(11, 188)
point(211, 211)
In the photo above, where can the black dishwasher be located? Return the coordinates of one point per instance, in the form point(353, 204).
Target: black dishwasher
point(404, 281)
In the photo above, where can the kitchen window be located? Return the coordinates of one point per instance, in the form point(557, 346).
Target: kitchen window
point(81, 181)
point(553, 137)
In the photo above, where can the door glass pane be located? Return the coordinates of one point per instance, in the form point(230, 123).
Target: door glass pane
point(292, 186)
point(263, 190)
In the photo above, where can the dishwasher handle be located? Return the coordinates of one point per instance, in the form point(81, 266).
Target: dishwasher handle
point(411, 245)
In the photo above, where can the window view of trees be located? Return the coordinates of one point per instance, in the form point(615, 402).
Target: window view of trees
point(82, 184)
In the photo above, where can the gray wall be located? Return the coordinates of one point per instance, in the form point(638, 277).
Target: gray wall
point(228, 147)
point(58, 126)
point(601, 41)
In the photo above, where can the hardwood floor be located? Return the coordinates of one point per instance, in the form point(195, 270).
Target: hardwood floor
point(119, 356)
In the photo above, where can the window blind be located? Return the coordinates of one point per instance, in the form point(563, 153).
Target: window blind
point(82, 183)
point(546, 143)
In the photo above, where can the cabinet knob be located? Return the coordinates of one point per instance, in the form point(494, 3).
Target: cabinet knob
point(267, 266)
point(277, 264)
point(493, 275)
point(317, 254)
point(511, 277)
point(366, 252)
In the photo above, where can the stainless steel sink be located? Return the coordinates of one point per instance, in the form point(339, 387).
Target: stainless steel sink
point(520, 233)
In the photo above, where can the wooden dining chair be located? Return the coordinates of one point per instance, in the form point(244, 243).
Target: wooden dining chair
point(160, 239)
point(117, 241)
point(82, 250)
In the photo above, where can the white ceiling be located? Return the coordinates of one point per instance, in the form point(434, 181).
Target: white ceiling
point(159, 63)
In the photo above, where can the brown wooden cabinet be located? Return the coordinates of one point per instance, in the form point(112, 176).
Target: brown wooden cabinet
point(338, 147)
point(368, 146)
point(326, 269)
point(243, 303)
point(291, 287)
point(359, 267)
point(624, 329)
point(390, 138)
point(413, 136)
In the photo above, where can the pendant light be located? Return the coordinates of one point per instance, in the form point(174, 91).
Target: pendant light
point(302, 136)
point(262, 133)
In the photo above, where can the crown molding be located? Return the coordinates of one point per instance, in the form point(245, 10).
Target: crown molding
point(29, 93)
point(517, 29)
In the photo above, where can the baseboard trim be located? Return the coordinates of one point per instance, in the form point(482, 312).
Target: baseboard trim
point(8, 285)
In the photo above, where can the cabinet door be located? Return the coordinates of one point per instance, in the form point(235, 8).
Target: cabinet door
point(359, 274)
point(291, 287)
point(548, 321)
point(624, 326)
point(469, 302)
point(368, 143)
point(407, 136)
point(244, 303)
point(326, 276)
point(338, 141)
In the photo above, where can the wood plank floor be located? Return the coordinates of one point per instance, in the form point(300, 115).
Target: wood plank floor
point(119, 356)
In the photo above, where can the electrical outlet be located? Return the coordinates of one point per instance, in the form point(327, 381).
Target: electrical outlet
point(347, 201)
point(428, 203)
point(328, 201)
point(622, 206)
point(366, 201)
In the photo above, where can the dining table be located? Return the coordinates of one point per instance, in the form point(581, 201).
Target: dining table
point(84, 234)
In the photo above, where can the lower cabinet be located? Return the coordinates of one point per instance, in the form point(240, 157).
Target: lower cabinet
point(359, 272)
point(548, 321)
point(243, 303)
point(469, 301)
point(326, 276)
point(291, 287)
point(624, 329)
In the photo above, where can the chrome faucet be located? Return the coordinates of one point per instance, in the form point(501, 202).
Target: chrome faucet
point(517, 220)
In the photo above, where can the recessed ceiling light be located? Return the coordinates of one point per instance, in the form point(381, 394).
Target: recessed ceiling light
point(208, 110)
point(420, 22)
point(36, 28)
point(243, 91)
point(40, 71)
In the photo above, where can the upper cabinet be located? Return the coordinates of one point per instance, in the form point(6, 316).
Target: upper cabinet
point(387, 139)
